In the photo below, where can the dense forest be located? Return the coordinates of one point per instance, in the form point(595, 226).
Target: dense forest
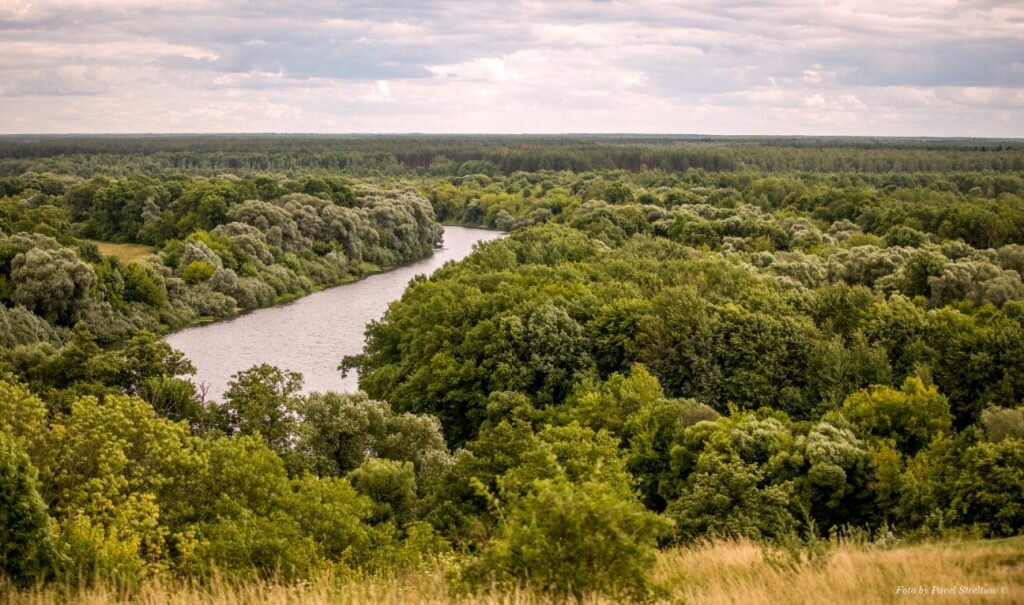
point(780, 340)
point(86, 155)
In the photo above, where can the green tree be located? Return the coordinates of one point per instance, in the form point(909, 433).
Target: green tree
point(146, 356)
point(392, 487)
point(53, 283)
point(911, 416)
point(1003, 423)
point(261, 400)
point(28, 548)
point(143, 285)
point(729, 498)
point(196, 272)
point(989, 491)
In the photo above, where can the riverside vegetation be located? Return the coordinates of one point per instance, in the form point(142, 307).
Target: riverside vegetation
point(803, 355)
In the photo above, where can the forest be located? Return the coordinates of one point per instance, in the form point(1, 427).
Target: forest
point(794, 346)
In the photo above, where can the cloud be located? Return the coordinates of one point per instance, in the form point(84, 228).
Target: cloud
point(939, 67)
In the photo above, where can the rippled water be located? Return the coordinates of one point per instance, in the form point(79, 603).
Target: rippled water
point(311, 334)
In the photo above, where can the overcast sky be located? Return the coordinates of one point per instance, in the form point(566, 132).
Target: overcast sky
point(879, 67)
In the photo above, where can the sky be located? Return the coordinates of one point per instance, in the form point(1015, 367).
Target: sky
point(873, 67)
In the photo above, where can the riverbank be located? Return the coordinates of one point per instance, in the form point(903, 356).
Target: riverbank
point(366, 270)
point(311, 333)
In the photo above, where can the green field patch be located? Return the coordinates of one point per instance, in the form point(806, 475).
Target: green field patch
point(124, 252)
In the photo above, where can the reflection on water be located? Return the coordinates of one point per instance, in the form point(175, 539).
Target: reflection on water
point(311, 334)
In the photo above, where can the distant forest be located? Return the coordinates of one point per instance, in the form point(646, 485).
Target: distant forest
point(85, 155)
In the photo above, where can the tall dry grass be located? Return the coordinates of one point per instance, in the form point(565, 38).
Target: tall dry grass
point(740, 573)
point(717, 573)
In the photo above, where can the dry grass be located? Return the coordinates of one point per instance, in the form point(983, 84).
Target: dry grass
point(719, 573)
point(741, 574)
point(124, 252)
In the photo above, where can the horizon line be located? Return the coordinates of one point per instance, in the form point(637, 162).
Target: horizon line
point(505, 134)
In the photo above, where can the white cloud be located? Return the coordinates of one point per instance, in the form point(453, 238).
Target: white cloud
point(488, 69)
point(916, 67)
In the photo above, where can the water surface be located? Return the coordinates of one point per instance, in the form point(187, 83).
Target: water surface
point(311, 334)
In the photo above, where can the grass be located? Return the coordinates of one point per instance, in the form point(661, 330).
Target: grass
point(124, 252)
point(740, 573)
point(715, 573)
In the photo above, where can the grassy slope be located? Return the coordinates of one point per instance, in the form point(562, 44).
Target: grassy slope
point(720, 573)
point(124, 252)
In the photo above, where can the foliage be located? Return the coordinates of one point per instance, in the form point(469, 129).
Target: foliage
point(755, 339)
point(261, 401)
point(910, 417)
point(1003, 423)
point(571, 539)
point(989, 491)
point(27, 543)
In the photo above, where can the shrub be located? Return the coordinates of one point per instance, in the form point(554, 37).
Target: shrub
point(1003, 423)
point(197, 271)
point(141, 284)
point(572, 539)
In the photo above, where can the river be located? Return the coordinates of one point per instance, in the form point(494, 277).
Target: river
point(311, 334)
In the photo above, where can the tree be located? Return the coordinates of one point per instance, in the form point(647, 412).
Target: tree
point(617, 399)
point(1002, 423)
point(175, 399)
point(392, 487)
point(651, 433)
point(261, 400)
point(729, 498)
point(835, 487)
point(146, 356)
point(142, 284)
point(989, 491)
point(197, 271)
point(28, 548)
point(911, 416)
point(119, 479)
point(249, 519)
point(53, 283)
point(340, 431)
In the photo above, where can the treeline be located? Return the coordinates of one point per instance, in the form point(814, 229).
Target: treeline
point(982, 209)
point(493, 155)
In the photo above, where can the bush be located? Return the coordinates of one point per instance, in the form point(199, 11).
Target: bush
point(572, 539)
point(141, 284)
point(198, 271)
point(1003, 423)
